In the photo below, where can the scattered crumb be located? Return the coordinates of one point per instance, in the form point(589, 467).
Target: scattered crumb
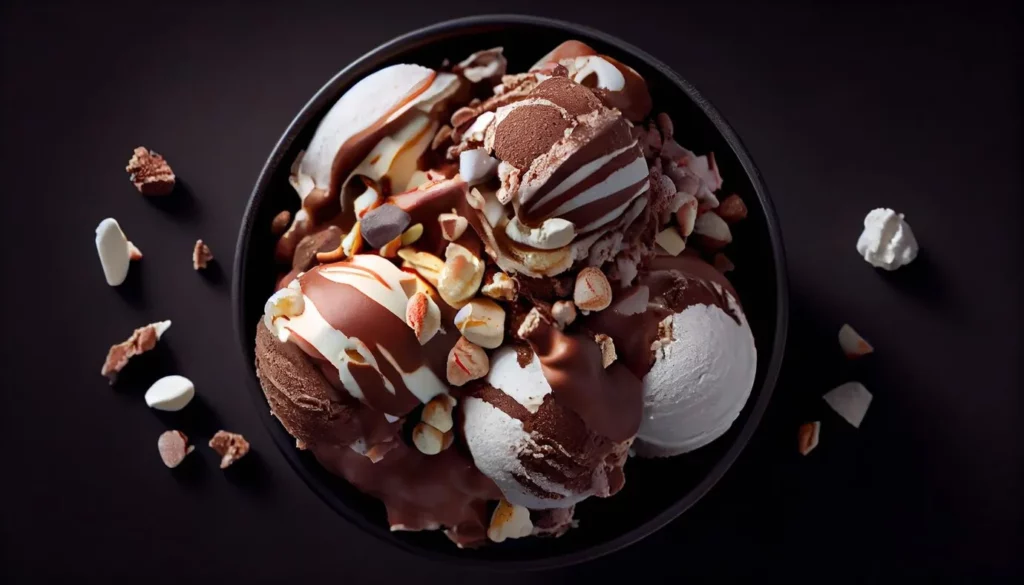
point(230, 446)
point(142, 340)
point(607, 346)
point(173, 447)
point(150, 173)
point(850, 401)
point(808, 437)
point(201, 255)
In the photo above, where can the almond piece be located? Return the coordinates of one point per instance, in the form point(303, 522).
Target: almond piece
point(854, 346)
point(712, 231)
point(426, 265)
point(850, 401)
point(427, 439)
point(390, 249)
point(564, 313)
point(453, 226)
point(686, 215)
point(412, 235)
point(482, 321)
point(150, 173)
point(461, 275)
point(509, 521)
point(201, 255)
point(438, 412)
point(500, 287)
point(592, 292)
point(424, 316)
point(467, 361)
point(607, 346)
point(732, 209)
point(808, 437)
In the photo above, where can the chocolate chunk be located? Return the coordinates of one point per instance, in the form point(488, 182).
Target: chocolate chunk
point(322, 241)
point(383, 224)
point(150, 173)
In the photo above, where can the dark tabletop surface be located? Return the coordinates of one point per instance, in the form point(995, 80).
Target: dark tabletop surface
point(844, 108)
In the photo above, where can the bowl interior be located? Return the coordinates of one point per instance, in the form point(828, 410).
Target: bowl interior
point(648, 501)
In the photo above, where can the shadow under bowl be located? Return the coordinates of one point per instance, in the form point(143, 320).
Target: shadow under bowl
point(647, 502)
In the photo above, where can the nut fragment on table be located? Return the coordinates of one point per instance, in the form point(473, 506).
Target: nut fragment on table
point(854, 346)
point(808, 437)
point(850, 401)
point(134, 253)
point(173, 447)
point(150, 173)
point(467, 361)
point(592, 292)
point(230, 446)
point(201, 255)
point(142, 340)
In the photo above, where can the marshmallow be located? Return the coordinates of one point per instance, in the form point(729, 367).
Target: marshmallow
point(114, 252)
point(887, 241)
point(170, 393)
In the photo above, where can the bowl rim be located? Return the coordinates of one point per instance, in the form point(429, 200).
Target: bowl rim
point(426, 35)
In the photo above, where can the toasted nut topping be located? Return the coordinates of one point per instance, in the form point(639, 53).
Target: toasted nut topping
point(427, 439)
point(201, 255)
point(424, 316)
point(509, 521)
point(452, 226)
point(607, 346)
point(411, 235)
point(466, 362)
point(461, 275)
point(438, 412)
point(500, 287)
point(593, 292)
point(173, 447)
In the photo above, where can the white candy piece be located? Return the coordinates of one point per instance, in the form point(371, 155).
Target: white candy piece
point(476, 166)
point(553, 234)
point(607, 76)
point(170, 393)
point(113, 249)
point(850, 401)
point(887, 241)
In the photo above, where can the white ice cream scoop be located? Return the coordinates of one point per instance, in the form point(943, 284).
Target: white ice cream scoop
point(701, 378)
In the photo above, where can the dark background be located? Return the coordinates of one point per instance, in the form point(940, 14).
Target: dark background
point(844, 107)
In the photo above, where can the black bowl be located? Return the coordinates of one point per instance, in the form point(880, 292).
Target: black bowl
point(647, 502)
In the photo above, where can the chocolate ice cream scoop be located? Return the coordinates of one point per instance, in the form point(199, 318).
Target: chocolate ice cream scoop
point(352, 324)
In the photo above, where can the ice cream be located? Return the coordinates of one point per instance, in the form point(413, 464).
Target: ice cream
point(494, 288)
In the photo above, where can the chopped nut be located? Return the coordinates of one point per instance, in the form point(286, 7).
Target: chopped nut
point(134, 253)
point(201, 255)
point(607, 346)
point(854, 346)
point(150, 172)
point(808, 437)
point(723, 264)
point(427, 439)
point(424, 316)
point(438, 412)
point(500, 287)
point(509, 521)
point(482, 321)
point(452, 225)
point(230, 446)
point(670, 241)
point(592, 292)
point(426, 265)
point(173, 447)
point(280, 223)
point(686, 215)
point(390, 249)
point(467, 361)
point(142, 340)
point(443, 136)
point(461, 275)
point(712, 231)
point(411, 235)
point(732, 209)
point(564, 313)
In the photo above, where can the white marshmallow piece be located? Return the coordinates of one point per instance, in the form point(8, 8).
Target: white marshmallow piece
point(850, 401)
point(553, 234)
point(887, 240)
point(854, 346)
point(476, 166)
point(114, 252)
point(170, 393)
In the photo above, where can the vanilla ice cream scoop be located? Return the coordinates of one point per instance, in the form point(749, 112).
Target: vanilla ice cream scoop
point(887, 241)
point(693, 348)
point(539, 452)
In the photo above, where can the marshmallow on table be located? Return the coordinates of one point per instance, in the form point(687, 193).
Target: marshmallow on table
point(114, 251)
point(887, 240)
